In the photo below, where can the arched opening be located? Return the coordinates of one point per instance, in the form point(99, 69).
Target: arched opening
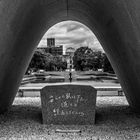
point(70, 35)
point(89, 67)
point(62, 41)
point(114, 23)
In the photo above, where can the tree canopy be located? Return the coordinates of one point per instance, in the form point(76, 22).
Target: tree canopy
point(46, 61)
point(86, 59)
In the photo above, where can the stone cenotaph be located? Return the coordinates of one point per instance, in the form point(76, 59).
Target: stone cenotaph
point(68, 104)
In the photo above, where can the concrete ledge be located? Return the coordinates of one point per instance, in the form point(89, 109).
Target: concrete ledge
point(101, 91)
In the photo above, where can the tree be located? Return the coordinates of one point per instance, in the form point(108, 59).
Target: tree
point(107, 65)
point(38, 61)
point(97, 60)
point(86, 59)
point(83, 58)
point(60, 63)
point(49, 62)
point(46, 61)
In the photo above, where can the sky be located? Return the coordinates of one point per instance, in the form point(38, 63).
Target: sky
point(71, 34)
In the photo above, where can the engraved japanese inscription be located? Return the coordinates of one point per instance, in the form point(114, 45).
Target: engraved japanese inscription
point(68, 104)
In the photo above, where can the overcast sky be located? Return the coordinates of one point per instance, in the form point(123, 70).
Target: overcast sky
point(71, 34)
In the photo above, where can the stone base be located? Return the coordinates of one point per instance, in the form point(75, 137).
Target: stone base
point(68, 104)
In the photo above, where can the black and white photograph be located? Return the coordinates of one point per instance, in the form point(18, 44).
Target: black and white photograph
point(69, 69)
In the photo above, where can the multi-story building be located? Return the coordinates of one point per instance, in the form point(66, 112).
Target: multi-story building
point(57, 50)
point(50, 42)
point(52, 48)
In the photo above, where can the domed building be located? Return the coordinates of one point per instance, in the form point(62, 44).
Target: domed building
point(70, 51)
point(69, 55)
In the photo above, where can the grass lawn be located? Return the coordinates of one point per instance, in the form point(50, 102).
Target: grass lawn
point(114, 121)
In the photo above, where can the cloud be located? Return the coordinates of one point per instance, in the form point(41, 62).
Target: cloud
point(71, 34)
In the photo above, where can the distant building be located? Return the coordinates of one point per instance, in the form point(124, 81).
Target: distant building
point(52, 48)
point(57, 50)
point(69, 57)
point(50, 42)
point(70, 51)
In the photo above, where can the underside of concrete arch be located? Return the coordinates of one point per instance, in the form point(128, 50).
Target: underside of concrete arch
point(116, 23)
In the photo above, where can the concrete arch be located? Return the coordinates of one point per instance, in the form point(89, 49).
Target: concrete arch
point(116, 24)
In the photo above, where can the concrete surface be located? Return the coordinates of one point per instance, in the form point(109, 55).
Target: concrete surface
point(103, 89)
point(116, 23)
